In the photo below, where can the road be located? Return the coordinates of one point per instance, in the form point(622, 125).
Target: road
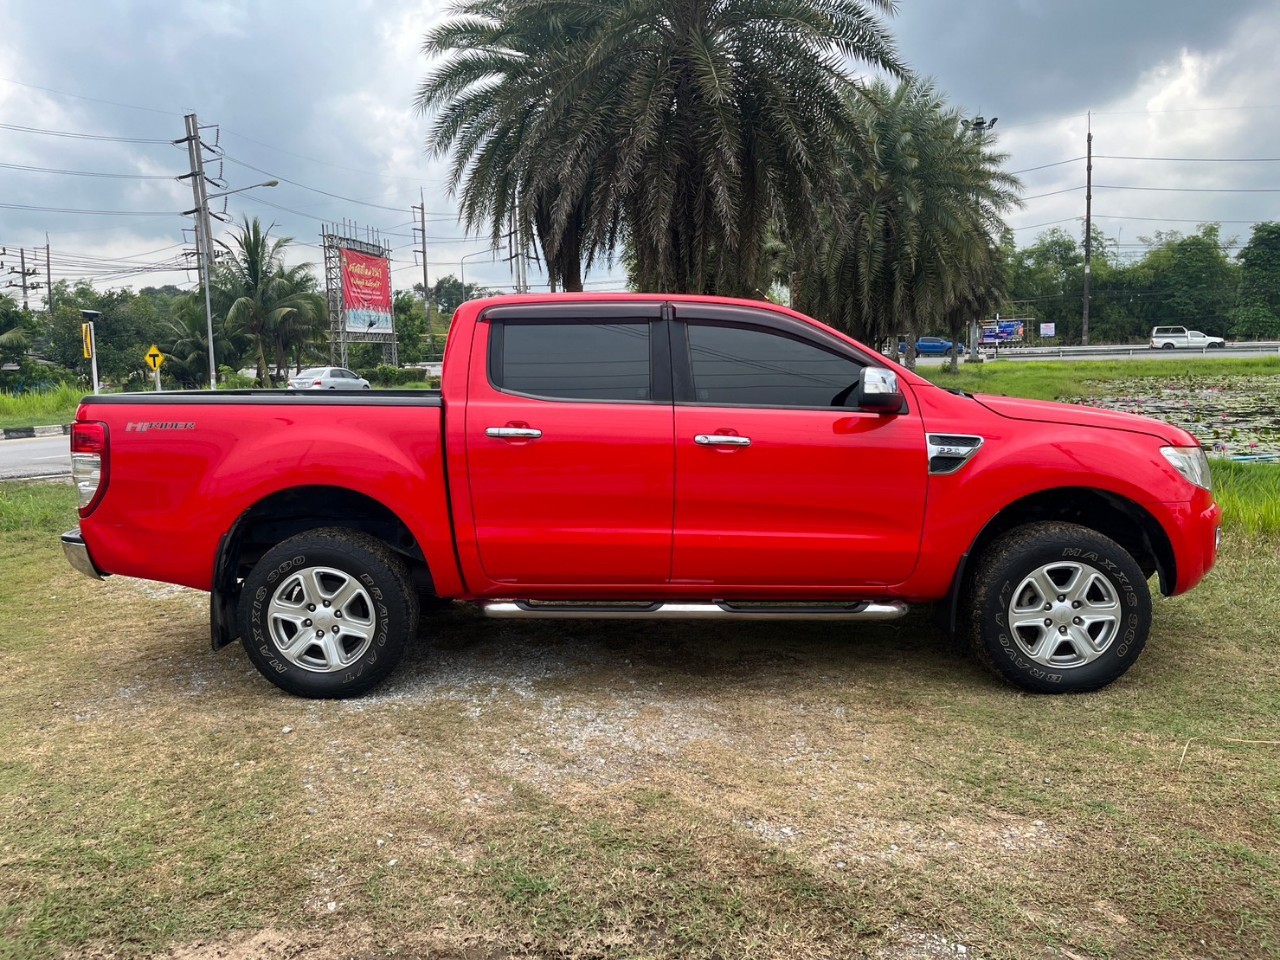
point(37, 457)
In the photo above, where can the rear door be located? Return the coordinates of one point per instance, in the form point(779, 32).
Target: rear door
point(778, 482)
point(569, 438)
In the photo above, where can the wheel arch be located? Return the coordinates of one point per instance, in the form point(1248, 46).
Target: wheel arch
point(285, 513)
point(1123, 520)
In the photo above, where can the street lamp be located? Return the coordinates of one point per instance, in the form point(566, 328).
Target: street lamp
point(978, 126)
point(462, 268)
point(202, 226)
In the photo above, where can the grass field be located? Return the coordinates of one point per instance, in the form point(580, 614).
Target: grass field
point(1073, 381)
point(627, 791)
point(39, 409)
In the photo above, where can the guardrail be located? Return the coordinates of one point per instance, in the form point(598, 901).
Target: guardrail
point(1129, 350)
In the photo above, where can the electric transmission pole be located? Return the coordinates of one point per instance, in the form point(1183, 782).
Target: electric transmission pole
point(421, 210)
point(1088, 233)
point(23, 282)
point(48, 275)
point(204, 233)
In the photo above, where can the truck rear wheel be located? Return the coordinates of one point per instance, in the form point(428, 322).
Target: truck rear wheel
point(1058, 608)
point(327, 613)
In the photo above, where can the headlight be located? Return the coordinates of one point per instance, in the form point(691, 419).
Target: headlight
point(1191, 463)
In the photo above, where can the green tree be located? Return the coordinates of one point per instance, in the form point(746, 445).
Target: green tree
point(448, 293)
point(16, 328)
point(912, 237)
point(184, 340)
point(128, 324)
point(411, 326)
point(1258, 315)
point(275, 306)
point(1192, 281)
point(690, 128)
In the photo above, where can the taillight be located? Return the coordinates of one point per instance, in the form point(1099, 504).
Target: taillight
point(89, 462)
point(317, 383)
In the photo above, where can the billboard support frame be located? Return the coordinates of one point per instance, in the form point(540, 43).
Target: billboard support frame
point(336, 237)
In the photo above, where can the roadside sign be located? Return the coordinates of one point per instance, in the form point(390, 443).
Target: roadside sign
point(86, 339)
point(154, 358)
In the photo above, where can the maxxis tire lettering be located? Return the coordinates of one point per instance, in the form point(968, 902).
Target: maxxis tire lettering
point(1013, 557)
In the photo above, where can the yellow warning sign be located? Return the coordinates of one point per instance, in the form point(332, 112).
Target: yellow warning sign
point(154, 357)
point(86, 336)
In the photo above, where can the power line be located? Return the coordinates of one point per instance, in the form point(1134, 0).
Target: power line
point(1112, 186)
point(303, 186)
point(1113, 216)
point(1047, 223)
point(79, 136)
point(76, 96)
point(1102, 156)
point(97, 213)
point(1054, 193)
point(87, 173)
point(326, 163)
point(336, 196)
point(1045, 166)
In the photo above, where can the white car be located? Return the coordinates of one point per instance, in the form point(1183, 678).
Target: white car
point(327, 378)
point(1169, 338)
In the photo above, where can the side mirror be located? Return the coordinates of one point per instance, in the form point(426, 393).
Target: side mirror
point(878, 391)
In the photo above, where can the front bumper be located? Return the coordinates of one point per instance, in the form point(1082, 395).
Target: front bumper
point(73, 546)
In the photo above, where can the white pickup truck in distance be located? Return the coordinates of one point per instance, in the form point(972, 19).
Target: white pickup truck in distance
point(1169, 338)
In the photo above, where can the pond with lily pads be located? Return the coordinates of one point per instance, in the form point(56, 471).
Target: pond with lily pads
point(1232, 416)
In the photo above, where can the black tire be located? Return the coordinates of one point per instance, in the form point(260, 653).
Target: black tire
point(950, 352)
point(348, 587)
point(1217, 346)
point(1166, 346)
point(1081, 637)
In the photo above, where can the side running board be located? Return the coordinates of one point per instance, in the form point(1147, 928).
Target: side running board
point(717, 610)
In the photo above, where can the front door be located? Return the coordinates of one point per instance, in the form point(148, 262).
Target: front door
point(569, 444)
point(778, 483)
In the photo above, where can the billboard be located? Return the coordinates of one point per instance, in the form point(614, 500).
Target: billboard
point(366, 293)
point(1002, 331)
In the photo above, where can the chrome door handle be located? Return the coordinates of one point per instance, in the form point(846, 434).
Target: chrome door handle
point(721, 440)
point(513, 433)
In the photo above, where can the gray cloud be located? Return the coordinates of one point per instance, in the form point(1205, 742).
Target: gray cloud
point(321, 93)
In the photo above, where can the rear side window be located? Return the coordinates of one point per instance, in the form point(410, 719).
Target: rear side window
point(573, 361)
point(744, 365)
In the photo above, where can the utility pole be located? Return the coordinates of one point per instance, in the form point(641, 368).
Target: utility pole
point(204, 233)
point(1088, 232)
point(23, 282)
point(421, 210)
point(48, 275)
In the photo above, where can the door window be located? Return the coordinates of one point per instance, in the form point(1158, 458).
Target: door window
point(746, 365)
point(573, 361)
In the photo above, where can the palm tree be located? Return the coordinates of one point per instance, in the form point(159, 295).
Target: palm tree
point(912, 235)
point(273, 305)
point(15, 330)
point(496, 95)
point(691, 128)
point(184, 341)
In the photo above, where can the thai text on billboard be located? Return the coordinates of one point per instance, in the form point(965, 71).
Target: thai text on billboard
point(366, 292)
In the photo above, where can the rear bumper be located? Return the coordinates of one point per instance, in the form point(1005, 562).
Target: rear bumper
point(73, 546)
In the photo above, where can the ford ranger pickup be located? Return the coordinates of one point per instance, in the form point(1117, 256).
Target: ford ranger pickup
point(645, 456)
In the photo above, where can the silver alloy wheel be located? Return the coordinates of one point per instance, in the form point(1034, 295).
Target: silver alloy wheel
point(321, 619)
point(1064, 614)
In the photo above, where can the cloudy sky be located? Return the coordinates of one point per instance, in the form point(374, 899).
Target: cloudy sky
point(319, 95)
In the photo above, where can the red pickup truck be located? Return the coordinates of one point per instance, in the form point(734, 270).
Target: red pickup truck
point(629, 456)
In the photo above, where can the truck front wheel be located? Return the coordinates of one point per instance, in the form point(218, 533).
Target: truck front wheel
point(327, 613)
point(1058, 608)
